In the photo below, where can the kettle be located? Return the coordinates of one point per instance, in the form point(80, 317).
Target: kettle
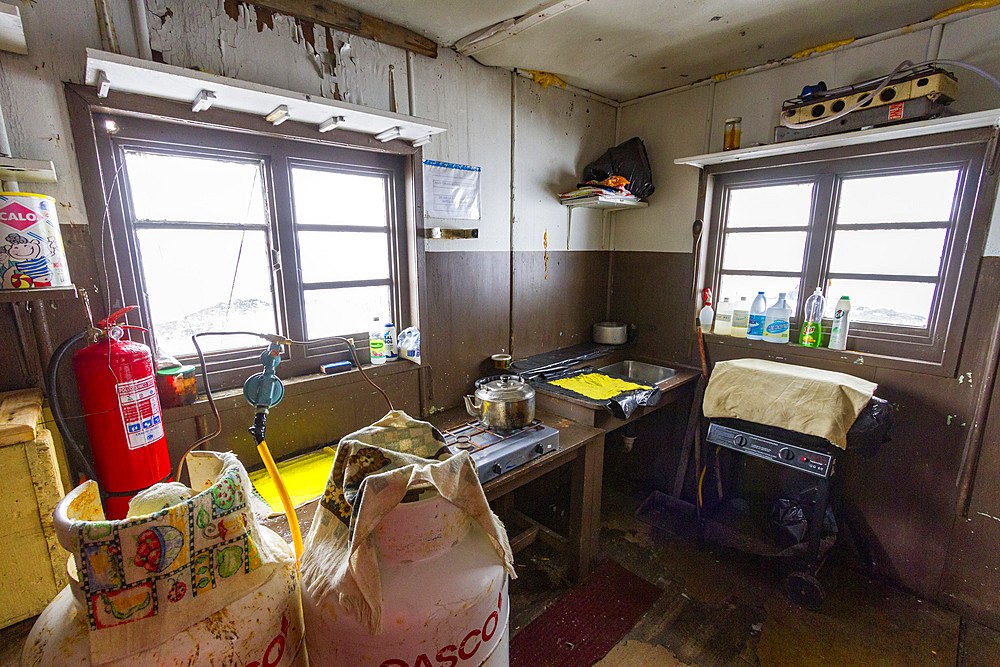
point(504, 402)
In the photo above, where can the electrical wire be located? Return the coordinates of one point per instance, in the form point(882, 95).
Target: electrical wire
point(271, 338)
point(901, 67)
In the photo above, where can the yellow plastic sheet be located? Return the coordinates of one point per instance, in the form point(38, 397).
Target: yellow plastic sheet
point(597, 386)
point(305, 478)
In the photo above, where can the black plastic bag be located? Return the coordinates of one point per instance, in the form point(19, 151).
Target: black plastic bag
point(623, 406)
point(627, 159)
point(790, 518)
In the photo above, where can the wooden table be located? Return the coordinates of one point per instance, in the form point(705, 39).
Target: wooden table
point(580, 446)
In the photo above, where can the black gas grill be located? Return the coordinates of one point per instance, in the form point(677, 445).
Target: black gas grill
point(814, 457)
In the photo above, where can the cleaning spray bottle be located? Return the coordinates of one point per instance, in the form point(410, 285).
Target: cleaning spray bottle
point(707, 315)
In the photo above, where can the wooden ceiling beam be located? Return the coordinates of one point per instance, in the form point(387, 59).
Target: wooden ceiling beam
point(347, 19)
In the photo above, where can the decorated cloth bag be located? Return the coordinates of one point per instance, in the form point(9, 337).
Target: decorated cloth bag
point(141, 581)
point(372, 472)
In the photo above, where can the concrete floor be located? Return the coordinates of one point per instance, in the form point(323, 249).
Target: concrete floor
point(722, 607)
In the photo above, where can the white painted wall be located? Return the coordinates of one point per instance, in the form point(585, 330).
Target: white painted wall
point(556, 134)
point(559, 131)
point(673, 125)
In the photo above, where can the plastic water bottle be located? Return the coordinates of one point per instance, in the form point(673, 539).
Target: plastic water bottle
point(707, 315)
point(741, 319)
point(758, 312)
point(724, 318)
point(812, 320)
point(841, 324)
point(776, 321)
point(376, 343)
point(389, 334)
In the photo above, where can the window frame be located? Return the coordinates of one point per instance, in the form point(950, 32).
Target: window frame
point(934, 349)
point(172, 128)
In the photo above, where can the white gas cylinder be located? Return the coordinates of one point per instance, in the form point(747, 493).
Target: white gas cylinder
point(444, 597)
point(223, 547)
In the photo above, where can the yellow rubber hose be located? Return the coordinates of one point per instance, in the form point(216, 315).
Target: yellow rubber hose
point(286, 502)
point(700, 480)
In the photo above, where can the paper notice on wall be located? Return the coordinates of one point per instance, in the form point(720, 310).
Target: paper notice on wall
point(451, 190)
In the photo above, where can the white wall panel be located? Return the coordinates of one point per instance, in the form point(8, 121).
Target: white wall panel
point(669, 125)
point(32, 98)
point(757, 99)
point(556, 134)
point(475, 103)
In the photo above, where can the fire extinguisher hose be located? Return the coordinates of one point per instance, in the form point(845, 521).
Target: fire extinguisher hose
point(73, 449)
point(286, 501)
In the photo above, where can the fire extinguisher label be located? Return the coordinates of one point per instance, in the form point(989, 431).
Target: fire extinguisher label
point(140, 408)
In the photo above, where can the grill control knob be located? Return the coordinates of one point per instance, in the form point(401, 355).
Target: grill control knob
point(497, 469)
point(740, 441)
point(539, 449)
point(785, 454)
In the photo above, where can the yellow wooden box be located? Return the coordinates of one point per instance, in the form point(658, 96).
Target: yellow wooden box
point(32, 563)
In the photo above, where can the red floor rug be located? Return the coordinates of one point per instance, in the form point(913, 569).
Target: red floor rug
point(586, 622)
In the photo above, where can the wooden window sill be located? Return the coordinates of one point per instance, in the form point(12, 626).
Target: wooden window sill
point(227, 399)
point(795, 353)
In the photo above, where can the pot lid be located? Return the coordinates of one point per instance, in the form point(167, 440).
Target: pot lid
point(505, 388)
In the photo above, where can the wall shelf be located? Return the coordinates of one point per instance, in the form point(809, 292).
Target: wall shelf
point(12, 30)
point(605, 203)
point(135, 75)
point(37, 294)
point(965, 121)
point(27, 171)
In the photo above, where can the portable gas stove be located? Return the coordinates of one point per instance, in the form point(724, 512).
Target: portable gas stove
point(495, 452)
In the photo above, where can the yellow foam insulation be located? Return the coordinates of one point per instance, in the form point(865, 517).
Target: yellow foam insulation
point(597, 386)
point(545, 79)
point(822, 48)
point(975, 4)
point(722, 76)
point(305, 478)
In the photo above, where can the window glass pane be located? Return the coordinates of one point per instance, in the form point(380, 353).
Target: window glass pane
point(923, 197)
point(337, 312)
point(333, 198)
point(194, 189)
point(201, 280)
point(735, 286)
point(886, 302)
point(770, 206)
point(764, 251)
point(334, 256)
point(913, 252)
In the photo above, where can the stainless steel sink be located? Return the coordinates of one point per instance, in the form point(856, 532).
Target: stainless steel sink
point(639, 371)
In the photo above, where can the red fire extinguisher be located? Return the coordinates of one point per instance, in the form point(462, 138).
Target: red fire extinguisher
point(118, 394)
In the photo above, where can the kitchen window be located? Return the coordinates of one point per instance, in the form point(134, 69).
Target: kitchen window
point(891, 228)
point(222, 230)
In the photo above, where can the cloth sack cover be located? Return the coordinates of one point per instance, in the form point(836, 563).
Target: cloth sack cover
point(797, 398)
point(373, 470)
point(143, 579)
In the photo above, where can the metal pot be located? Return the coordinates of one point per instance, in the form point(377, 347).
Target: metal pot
point(504, 403)
point(610, 333)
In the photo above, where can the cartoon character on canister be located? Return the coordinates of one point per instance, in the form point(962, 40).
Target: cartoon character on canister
point(27, 260)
